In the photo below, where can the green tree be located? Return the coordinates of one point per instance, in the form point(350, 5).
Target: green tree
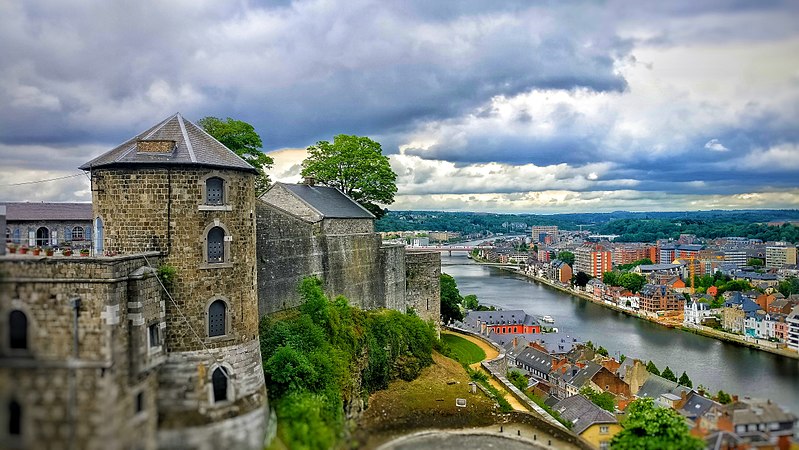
point(450, 299)
point(789, 286)
point(755, 262)
point(241, 138)
point(632, 281)
point(567, 257)
point(685, 381)
point(652, 368)
point(668, 374)
point(355, 165)
point(470, 302)
point(648, 427)
point(581, 278)
point(604, 400)
point(602, 351)
point(724, 398)
point(610, 278)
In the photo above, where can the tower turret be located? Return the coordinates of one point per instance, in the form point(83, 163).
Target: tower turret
point(176, 190)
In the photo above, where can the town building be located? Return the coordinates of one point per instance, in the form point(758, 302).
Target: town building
point(589, 421)
point(695, 312)
point(49, 224)
point(780, 255)
point(560, 271)
point(655, 298)
point(593, 260)
point(539, 233)
point(793, 329)
point(632, 252)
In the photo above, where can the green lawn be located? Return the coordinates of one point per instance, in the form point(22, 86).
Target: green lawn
point(463, 351)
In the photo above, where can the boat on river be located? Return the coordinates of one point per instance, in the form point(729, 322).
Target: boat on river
point(547, 319)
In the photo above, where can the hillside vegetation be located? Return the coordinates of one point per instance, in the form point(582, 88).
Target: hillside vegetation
point(322, 362)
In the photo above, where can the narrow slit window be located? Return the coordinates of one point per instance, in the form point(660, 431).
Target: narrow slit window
point(14, 418)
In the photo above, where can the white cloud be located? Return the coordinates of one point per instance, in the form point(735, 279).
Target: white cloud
point(716, 146)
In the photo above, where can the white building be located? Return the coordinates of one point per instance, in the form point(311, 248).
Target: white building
point(793, 330)
point(695, 312)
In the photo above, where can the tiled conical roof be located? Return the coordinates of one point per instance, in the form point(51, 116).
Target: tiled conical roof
point(174, 141)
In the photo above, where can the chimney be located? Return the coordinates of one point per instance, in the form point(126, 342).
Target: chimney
point(309, 181)
point(515, 342)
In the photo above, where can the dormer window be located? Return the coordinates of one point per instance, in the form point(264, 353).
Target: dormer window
point(214, 191)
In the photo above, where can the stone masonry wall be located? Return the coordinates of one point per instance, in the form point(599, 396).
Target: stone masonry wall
point(163, 209)
point(392, 269)
point(88, 400)
point(423, 273)
point(291, 249)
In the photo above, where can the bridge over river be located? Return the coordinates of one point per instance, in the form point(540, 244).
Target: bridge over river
point(448, 248)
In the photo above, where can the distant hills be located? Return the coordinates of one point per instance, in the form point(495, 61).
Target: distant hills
point(632, 226)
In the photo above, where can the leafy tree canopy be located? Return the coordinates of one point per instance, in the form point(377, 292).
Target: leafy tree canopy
point(241, 138)
point(355, 165)
point(648, 427)
point(604, 400)
point(789, 286)
point(634, 264)
point(470, 302)
point(724, 398)
point(632, 281)
point(450, 299)
point(567, 257)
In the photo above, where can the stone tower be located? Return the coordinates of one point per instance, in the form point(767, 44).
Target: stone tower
point(176, 190)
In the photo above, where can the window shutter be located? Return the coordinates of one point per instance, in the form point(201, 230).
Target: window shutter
point(67, 233)
point(216, 246)
point(216, 319)
point(213, 191)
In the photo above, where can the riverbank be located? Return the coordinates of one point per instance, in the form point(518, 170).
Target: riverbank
point(702, 331)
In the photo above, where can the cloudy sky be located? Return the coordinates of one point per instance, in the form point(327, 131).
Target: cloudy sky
point(511, 106)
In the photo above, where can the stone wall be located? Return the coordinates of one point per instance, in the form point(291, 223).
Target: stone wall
point(234, 433)
point(290, 249)
point(392, 268)
point(85, 395)
point(423, 278)
point(163, 209)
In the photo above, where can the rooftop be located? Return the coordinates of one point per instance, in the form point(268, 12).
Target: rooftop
point(19, 211)
point(174, 141)
point(328, 201)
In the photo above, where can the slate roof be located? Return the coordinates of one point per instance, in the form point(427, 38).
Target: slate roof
point(655, 386)
point(509, 317)
point(697, 405)
point(765, 412)
point(536, 359)
point(328, 201)
point(585, 374)
point(192, 146)
point(656, 267)
point(582, 413)
point(19, 211)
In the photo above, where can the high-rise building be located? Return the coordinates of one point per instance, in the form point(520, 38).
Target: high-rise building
point(780, 255)
point(593, 260)
point(541, 231)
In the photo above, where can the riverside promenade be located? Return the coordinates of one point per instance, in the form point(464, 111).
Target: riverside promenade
point(700, 330)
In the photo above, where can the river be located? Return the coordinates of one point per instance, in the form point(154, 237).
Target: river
point(709, 362)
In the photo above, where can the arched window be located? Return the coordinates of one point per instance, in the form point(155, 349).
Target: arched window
point(77, 234)
point(16, 236)
point(14, 418)
point(42, 237)
point(217, 320)
point(216, 245)
point(214, 191)
point(18, 330)
point(219, 380)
